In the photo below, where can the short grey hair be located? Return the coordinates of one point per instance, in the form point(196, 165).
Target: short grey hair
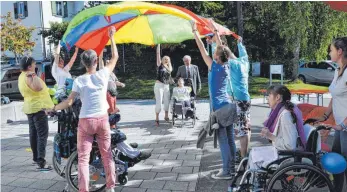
point(88, 58)
point(187, 57)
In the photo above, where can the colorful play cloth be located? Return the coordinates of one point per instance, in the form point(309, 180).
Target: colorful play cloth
point(135, 22)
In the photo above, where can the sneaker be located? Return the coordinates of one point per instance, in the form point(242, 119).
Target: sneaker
point(144, 155)
point(42, 166)
point(134, 145)
point(221, 176)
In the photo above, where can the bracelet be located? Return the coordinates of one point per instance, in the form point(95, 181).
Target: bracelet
point(215, 30)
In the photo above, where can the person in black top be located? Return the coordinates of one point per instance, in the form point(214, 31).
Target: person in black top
point(162, 85)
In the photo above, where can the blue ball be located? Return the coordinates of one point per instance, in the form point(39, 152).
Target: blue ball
point(334, 163)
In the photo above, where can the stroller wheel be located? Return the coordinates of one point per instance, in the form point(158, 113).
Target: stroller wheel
point(123, 179)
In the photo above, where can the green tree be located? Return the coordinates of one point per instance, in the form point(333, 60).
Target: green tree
point(55, 32)
point(15, 37)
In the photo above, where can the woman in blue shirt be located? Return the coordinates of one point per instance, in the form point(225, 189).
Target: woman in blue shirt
point(218, 82)
point(239, 70)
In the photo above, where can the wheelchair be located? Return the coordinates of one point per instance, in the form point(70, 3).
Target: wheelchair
point(292, 171)
point(179, 110)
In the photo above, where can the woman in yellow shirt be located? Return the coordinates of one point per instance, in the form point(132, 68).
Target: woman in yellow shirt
point(36, 99)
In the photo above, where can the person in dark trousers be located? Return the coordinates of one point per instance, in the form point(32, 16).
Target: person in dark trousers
point(190, 71)
point(36, 99)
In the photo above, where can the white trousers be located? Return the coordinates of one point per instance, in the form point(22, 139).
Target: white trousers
point(162, 95)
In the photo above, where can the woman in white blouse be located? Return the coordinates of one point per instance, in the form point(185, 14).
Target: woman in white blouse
point(338, 104)
point(284, 124)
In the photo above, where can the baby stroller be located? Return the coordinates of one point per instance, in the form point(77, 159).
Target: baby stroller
point(186, 110)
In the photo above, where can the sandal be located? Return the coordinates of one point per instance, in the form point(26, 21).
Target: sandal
point(157, 123)
point(167, 119)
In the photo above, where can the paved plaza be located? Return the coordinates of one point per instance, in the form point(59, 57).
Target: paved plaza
point(175, 164)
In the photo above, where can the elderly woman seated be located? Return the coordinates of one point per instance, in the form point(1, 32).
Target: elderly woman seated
point(283, 128)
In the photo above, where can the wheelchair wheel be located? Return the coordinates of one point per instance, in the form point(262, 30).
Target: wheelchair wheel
point(59, 168)
point(299, 177)
point(97, 178)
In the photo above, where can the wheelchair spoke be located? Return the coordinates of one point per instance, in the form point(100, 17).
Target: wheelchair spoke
point(300, 178)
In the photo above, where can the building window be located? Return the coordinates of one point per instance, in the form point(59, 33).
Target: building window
point(59, 8)
point(20, 9)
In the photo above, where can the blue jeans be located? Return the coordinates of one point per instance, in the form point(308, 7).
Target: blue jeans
point(227, 148)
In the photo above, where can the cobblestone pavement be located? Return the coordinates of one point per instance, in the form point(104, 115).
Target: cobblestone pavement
point(173, 166)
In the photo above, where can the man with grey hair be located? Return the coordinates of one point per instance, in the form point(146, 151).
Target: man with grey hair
point(93, 119)
point(190, 72)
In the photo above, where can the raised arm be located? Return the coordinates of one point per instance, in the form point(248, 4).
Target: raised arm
point(242, 50)
point(201, 46)
point(158, 55)
point(72, 60)
point(113, 61)
point(215, 31)
point(101, 61)
point(56, 61)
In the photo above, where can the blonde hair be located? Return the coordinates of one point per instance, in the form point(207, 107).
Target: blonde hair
point(168, 60)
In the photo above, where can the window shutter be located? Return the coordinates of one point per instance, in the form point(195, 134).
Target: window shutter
point(25, 8)
point(54, 8)
point(65, 9)
point(15, 10)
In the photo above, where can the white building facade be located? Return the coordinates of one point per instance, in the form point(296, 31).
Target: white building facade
point(39, 14)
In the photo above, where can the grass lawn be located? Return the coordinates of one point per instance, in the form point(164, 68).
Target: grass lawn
point(143, 88)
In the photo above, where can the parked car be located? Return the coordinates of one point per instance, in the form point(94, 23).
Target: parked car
point(10, 74)
point(314, 72)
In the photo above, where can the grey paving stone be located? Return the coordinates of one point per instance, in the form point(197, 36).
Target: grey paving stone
point(192, 186)
point(22, 182)
point(166, 176)
point(13, 172)
point(5, 188)
point(153, 184)
point(191, 163)
point(160, 151)
point(134, 183)
point(29, 174)
point(182, 170)
point(173, 163)
point(118, 189)
point(178, 151)
point(155, 190)
point(153, 161)
point(20, 189)
point(176, 185)
point(175, 146)
point(7, 179)
point(58, 186)
point(154, 156)
point(144, 175)
point(162, 169)
point(42, 184)
point(133, 190)
point(186, 157)
point(141, 167)
point(188, 177)
point(168, 156)
point(196, 169)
